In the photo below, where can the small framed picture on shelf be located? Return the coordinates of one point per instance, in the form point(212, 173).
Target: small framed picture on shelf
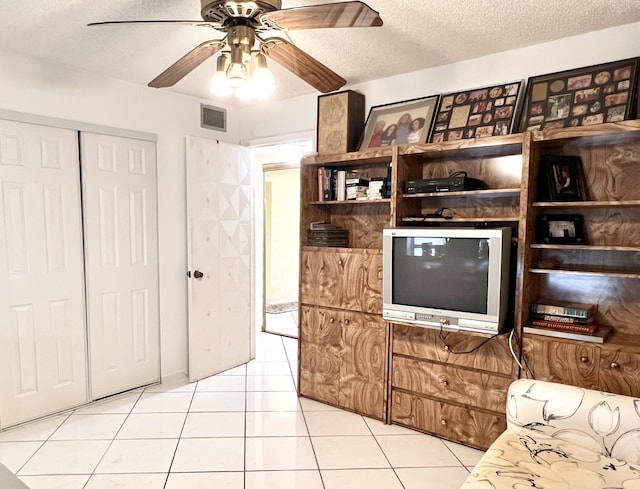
point(407, 122)
point(582, 96)
point(561, 229)
point(562, 176)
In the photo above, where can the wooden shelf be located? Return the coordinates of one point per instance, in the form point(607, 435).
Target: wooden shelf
point(492, 193)
point(628, 249)
point(378, 156)
point(588, 271)
point(471, 148)
point(589, 203)
point(351, 202)
point(460, 219)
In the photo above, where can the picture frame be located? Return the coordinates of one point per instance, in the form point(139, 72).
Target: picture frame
point(384, 121)
point(560, 229)
point(594, 94)
point(563, 178)
point(479, 112)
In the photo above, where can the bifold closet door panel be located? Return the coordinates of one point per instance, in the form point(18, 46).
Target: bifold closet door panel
point(42, 329)
point(121, 245)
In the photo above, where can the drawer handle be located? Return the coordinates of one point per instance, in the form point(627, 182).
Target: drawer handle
point(445, 383)
point(584, 359)
point(443, 422)
point(615, 365)
point(340, 262)
point(331, 320)
point(346, 321)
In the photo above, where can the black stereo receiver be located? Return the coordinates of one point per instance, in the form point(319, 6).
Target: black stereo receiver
point(452, 183)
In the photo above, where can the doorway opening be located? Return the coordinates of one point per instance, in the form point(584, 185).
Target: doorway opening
point(281, 248)
point(279, 167)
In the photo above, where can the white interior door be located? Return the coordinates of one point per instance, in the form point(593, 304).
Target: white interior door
point(42, 328)
point(121, 243)
point(220, 220)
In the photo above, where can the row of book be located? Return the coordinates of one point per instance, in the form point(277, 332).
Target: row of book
point(566, 320)
point(340, 184)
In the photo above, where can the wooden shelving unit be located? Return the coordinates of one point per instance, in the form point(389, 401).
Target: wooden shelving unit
point(402, 373)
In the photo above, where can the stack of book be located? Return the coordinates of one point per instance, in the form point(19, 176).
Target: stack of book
point(326, 234)
point(376, 189)
point(357, 185)
point(566, 320)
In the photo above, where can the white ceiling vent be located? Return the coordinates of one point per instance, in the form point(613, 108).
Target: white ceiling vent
point(213, 118)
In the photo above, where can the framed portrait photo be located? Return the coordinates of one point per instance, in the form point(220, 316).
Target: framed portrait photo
point(581, 97)
point(561, 229)
point(399, 123)
point(477, 113)
point(562, 176)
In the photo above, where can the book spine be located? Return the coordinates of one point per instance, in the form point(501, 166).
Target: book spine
point(561, 319)
point(341, 187)
point(577, 312)
point(578, 328)
point(321, 184)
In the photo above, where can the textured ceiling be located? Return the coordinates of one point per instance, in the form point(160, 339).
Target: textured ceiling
point(417, 34)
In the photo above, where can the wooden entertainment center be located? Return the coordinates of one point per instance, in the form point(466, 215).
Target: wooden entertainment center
point(421, 378)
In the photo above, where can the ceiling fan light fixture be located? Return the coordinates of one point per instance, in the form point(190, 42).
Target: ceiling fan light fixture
point(237, 73)
point(219, 84)
point(262, 81)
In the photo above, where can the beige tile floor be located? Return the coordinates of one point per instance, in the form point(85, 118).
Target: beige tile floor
point(242, 429)
point(285, 323)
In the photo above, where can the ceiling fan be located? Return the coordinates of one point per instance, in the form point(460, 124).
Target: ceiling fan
point(246, 24)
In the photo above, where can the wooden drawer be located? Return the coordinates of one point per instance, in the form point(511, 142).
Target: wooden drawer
point(344, 279)
point(343, 358)
point(461, 424)
point(567, 362)
point(425, 343)
point(620, 372)
point(475, 388)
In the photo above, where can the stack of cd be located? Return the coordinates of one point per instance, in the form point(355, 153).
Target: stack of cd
point(326, 234)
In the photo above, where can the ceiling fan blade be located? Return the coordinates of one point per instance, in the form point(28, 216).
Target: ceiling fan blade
point(186, 64)
point(186, 22)
point(341, 14)
point(301, 64)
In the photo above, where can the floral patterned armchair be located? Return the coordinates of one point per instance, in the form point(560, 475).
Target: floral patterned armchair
point(559, 436)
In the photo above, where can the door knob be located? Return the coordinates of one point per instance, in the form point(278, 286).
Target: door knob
point(198, 274)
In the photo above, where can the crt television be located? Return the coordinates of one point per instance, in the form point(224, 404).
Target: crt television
point(449, 278)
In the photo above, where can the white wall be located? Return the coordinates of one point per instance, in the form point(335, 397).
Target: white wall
point(299, 114)
point(30, 86)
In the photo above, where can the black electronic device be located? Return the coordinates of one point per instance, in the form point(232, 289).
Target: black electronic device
point(455, 182)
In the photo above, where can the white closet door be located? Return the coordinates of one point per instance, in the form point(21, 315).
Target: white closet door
point(42, 330)
point(220, 220)
point(121, 243)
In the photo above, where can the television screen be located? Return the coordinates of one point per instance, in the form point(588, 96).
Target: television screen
point(447, 273)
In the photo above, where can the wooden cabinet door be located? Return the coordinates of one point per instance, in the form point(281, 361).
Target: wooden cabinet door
point(620, 372)
point(566, 362)
point(320, 354)
point(350, 280)
point(342, 359)
point(363, 364)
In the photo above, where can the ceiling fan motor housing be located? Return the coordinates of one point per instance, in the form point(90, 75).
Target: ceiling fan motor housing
point(223, 10)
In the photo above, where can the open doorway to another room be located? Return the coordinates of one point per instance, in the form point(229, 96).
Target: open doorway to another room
point(279, 169)
point(281, 248)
